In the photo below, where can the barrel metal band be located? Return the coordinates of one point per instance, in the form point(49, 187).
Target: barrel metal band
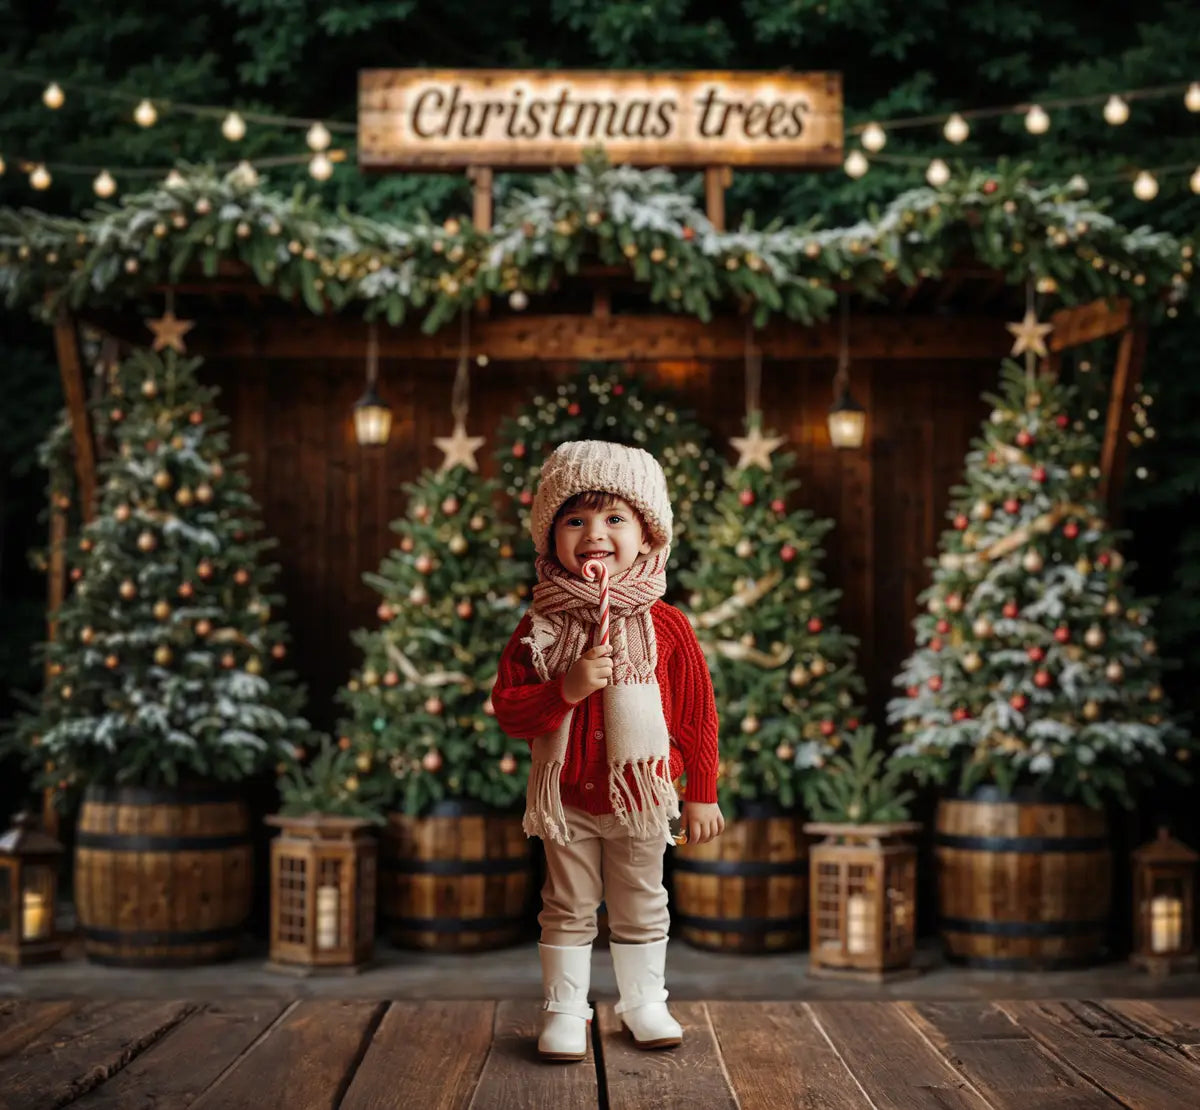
point(1022, 928)
point(1022, 843)
point(508, 866)
point(170, 938)
point(744, 869)
point(131, 842)
point(741, 924)
point(1026, 963)
point(454, 924)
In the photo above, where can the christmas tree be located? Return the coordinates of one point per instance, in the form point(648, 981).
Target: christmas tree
point(420, 718)
point(1034, 661)
point(166, 666)
point(783, 672)
point(603, 402)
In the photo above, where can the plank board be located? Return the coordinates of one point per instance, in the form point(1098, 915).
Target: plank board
point(1007, 1066)
point(892, 1062)
point(776, 1057)
point(513, 1077)
point(437, 1048)
point(1140, 1071)
point(683, 1078)
point(305, 1061)
point(186, 1062)
point(83, 1050)
point(22, 1021)
point(1176, 1020)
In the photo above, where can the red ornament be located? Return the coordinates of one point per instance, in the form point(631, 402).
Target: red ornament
point(1018, 702)
point(116, 416)
point(777, 506)
point(1036, 654)
point(1042, 679)
point(1104, 558)
point(992, 458)
point(518, 450)
point(196, 416)
point(385, 612)
point(746, 497)
point(1062, 634)
point(815, 625)
point(913, 691)
point(961, 522)
point(573, 408)
point(935, 683)
point(1070, 529)
point(828, 728)
point(688, 234)
point(186, 589)
point(960, 714)
point(1038, 474)
point(391, 678)
point(990, 186)
point(1024, 438)
point(1012, 506)
point(943, 626)
point(618, 389)
point(852, 723)
point(526, 498)
point(787, 552)
point(936, 644)
point(278, 651)
point(1062, 420)
point(1011, 609)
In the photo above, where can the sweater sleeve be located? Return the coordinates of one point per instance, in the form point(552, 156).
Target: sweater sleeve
point(694, 710)
point(526, 707)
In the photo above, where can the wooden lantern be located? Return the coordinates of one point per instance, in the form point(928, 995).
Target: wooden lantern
point(1164, 906)
point(29, 862)
point(322, 893)
point(863, 902)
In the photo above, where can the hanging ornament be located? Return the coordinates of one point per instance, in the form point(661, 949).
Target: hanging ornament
point(87, 634)
point(1112, 607)
point(203, 627)
point(204, 569)
point(418, 595)
point(145, 114)
point(856, 164)
point(423, 564)
point(982, 628)
point(147, 541)
point(508, 764)
point(163, 655)
point(818, 667)
point(122, 513)
point(183, 496)
point(803, 583)
point(1116, 110)
point(450, 506)
point(228, 660)
point(1030, 335)
point(744, 548)
point(53, 96)
point(956, 129)
point(465, 609)
point(432, 761)
point(750, 724)
point(434, 705)
point(754, 449)
point(104, 185)
point(39, 178)
point(320, 166)
point(937, 173)
point(1114, 672)
point(186, 590)
point(1094, 636)
point(204, 493)
point(127, 590)
point(799, 676)
point(972, 661)
point(278, 651)
point(161, 610)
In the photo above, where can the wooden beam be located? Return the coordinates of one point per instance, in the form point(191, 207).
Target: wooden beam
point(1127, 373)
point(1082, 323)
point(70, 366)
point(481, 177)
point(617, 337)
point(716, 180)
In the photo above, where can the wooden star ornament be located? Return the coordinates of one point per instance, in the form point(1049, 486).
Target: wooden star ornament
point(169, 331)
point(459, 449)
point(754, 449)
point(1030, 335)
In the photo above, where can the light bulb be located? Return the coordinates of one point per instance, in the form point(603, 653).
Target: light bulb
point(174, 180)
point(3, 167)
point(40, 177)
point(53, 96)
point(1036, 120)
point(1191, 98)
point(1077, 184)
point(856, 164)
point(317, 137)
point(104, 185)
point(1116, 111)
point(518, 301)
point(938, 173)
point(873, 137)
point(956, 129)
point(244, 175)
point(1193, 181)
point(233, 127)
point(145, 114)
point(321, 167)
point(1145, 186)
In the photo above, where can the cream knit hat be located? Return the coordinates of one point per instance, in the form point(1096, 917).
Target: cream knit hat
point(592, 464)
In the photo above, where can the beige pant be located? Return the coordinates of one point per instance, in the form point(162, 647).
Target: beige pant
point(603, 862)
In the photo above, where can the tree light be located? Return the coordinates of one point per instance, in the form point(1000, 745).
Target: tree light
point(856, 164)
point(1191, 98)
point(873, 137)
point(145, 114)
point(1036, 120)
point(233, 127)
point(104, 185)
point(40, 177)
point(956, 129)
point(1194, 180)
point(938, 173)
point(1145, 186)
point(53, 96)
point(1116, 111)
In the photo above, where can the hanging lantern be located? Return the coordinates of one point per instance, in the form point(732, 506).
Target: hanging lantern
point(322, 893)
point(372, 415)
point(847, 418)
point(1164, 906)
point(28, 894)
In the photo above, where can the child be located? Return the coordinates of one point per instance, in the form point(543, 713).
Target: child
point(610, 727)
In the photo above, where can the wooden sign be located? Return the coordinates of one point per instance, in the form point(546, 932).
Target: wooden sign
point(444, 119)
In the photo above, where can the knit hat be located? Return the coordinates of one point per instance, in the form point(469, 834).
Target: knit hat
point(592, 464)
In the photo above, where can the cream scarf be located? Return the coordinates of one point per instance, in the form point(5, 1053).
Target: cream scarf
point(564, 616)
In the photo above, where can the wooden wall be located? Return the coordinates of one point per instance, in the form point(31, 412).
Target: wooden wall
point(330, 504)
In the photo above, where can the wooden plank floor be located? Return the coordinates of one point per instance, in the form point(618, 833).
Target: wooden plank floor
point(320, 1054)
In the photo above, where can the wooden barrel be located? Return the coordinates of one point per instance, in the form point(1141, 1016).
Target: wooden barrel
point(459, 879)
point(1023, 882)
point(163, 878)
point(746, 891)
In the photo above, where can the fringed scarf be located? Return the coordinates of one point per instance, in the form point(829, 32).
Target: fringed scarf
point(565, 614)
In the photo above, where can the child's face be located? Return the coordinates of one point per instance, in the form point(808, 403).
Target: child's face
point(613, 534)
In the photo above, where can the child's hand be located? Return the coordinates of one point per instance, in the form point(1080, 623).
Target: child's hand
point(592, 671)
point(702, 821)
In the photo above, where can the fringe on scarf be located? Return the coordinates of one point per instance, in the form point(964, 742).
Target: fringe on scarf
point(544, 815)
point(660, 803)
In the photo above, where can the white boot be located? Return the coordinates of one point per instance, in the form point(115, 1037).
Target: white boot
point(566, 976)
point(641, 972)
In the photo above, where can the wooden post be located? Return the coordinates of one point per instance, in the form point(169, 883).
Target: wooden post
point(70, 366)
point(1127, 373)
point(482, 209)
point(55, 591)
point(716, 180)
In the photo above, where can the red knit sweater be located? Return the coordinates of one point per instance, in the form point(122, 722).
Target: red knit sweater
point(527, 707)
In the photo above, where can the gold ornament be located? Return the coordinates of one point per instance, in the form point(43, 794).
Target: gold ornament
point(254, 665)
point(1114, 672)
point(1150, 647)
point(169, 331)
point(982, 628)
point(744, 548)
point(1083, 566)
point(122, 513)
point(1090, 710)
point(86, 634)
point(798, 676)
point(803, 583)
point(183, 496)
point(785, 752)
point(457, 545)
point(1030, 335)
point(754, 449)
point(111, 662)
point(163, 655)
point(1112, 607)
point(418, 595)
point(818, 667)
point(127, 590)
point(203, 627)
point(1155, 693)
point(204, 493)
point(981, 510)
point(204, 569)
point(363, 761)
point(459, 449)
point(971, 662)
point(162, 480)
point(1094, 636)
point(477, 523)
point(1032, 561)
point(750, 724)
point(147, 541)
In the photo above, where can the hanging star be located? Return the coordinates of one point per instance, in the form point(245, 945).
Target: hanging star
point(754, 449)
point(1030, 335)
point(459, 449)
point(169, 331)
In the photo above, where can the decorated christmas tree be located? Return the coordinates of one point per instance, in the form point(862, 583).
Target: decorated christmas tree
point(167, 662)
point(604, 402)
point(1034, 662)
point(783, 672)
point(419, 720)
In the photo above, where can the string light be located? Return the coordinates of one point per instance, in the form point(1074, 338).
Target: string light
point(104, 185)
point(856, 164)
point(1194, 180)
point(1191, 98)
point(145, 114)
point(873, 138)
point(40, 177)
point(1036, 121)
point(321, 168)
point(233, 127)
point(957, 129)
point(318, 137)
point(1077, 184)
point(938, 173)
point(3, 167)
point(53, 96)
point(245, 175)
point(1145, 185)
point(1116, 111)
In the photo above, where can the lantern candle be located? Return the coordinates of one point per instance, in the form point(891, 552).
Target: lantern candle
point(1166, 924)
point(35, 919)
point(858, 924)
point(327, 917)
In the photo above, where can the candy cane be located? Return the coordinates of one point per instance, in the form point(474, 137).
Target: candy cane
point(595, 569)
